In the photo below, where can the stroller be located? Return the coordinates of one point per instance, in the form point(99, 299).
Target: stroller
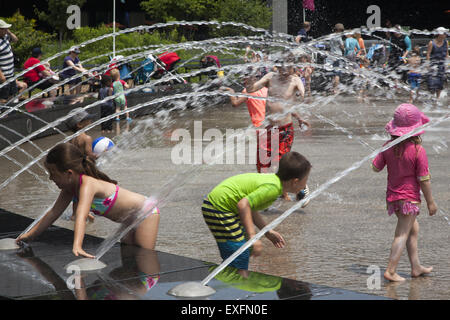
point(156, 67)
point(165, 63)
point(210, 61)
point(146, 70)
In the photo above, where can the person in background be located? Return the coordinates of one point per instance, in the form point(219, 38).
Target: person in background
point(119, 86)
point(73, 65)
point(38, 73)
point(336, 48)
point(414, 74)
point(400, 47)
point(437, 54)
point(305, 73)
point(362, 51)
point(302, 35)
point(7, 62)
point(78, 121)
point(351, 47)
point(107, 107)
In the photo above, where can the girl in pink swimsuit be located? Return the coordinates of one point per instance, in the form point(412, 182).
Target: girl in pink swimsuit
point(92, 190)
point(408, 173)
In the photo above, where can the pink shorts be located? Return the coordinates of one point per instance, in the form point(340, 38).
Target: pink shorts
point(403, 207)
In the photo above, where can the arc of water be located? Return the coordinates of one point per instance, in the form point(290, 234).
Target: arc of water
point(19, 164)
point(129, 90)
point(94, 124)
point(98, 68)
point(20, 135)
point(35, 222)
point(315, 193)
point(61, 119)
point(366, 144)
point(160, 199)
point(138, 28)
point(130, 109)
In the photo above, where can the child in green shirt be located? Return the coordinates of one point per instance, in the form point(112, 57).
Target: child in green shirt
point(231, 209)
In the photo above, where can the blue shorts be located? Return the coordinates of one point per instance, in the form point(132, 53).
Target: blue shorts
point(414, 80)
point(229, 247)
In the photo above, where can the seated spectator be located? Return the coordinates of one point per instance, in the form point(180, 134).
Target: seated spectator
point(72, 65)
point(39, 73)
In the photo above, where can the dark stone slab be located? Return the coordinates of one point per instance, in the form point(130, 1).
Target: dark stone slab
point(38, 272)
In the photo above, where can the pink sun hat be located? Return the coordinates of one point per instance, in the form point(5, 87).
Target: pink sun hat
point(407, 117)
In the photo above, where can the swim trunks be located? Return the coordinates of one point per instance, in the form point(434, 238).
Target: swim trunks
point(284, 135)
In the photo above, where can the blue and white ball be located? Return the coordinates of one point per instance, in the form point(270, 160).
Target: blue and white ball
point(101, 144)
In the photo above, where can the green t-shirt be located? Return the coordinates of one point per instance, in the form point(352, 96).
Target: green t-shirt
point(260, 189)
point(256, 282)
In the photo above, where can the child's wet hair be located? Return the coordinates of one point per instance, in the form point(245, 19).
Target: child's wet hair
point(67, 156)
point(115, 74)
point(106, 79)
point(293, 165)
point(399, 148)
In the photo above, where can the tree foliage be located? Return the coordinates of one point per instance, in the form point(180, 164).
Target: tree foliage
point(252, 12)
point(177, 10)
point(56, 14)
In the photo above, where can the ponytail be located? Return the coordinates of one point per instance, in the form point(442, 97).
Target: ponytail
point(90, 169)
point(67, 156)
point(399, 148)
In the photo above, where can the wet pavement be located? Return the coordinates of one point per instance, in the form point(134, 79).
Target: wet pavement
point(40, 271)
point(331, 243)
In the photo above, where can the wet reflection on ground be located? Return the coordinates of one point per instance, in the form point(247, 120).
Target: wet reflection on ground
point(37, 271)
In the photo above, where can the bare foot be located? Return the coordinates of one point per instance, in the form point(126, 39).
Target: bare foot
point(286, 197)
point(421, 271)
point(393, 277)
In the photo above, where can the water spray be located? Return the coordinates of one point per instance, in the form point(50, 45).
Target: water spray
point(188, 289)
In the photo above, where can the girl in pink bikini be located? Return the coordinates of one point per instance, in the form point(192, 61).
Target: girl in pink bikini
point(408, 173)
point(91, 190)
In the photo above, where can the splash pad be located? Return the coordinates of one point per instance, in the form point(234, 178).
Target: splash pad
point(312, 110)
point(85, 265)
point(8, 244)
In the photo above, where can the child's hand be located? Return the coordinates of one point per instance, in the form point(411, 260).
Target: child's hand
point(257, 248)
point(79, 251)
point(24, 238)
point(276, 238)
point(432, 208)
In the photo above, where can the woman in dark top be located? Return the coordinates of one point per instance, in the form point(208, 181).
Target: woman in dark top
point(73, 65)
point(437, 53)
